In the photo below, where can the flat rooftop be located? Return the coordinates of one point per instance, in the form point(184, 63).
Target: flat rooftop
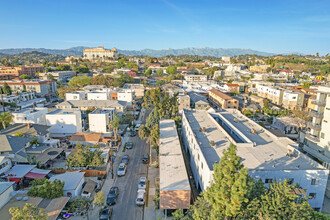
point(29, 110)
point(101, 111)
point(64, 112)
point(258, 148)
point(173, 174)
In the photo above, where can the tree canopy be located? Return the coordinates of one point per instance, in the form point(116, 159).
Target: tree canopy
point(80, 81)
point(63, 67)
point(46, 189)
point(85, 157)
point(29, 212)
point(5, 119)
point(171, 70)
point(148, 72)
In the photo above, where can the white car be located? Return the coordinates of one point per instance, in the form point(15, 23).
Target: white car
point(142, 183)
point(121, 169)
point(140, 197)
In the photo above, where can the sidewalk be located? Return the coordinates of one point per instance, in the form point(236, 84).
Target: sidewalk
point(150, 211)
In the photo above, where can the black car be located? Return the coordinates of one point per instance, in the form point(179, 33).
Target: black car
point(113, 195)
point(106, 213)
point(129, 145)
point(145, 158)
point(125, 159)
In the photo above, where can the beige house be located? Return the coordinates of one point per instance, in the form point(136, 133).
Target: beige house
point(222, 100)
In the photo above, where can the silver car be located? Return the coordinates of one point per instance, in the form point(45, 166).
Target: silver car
point(121, 169)
point(142, 183)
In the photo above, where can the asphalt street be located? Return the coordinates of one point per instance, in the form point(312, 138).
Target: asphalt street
point(126, 208)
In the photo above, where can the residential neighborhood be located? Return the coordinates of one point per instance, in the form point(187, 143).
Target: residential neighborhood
point(112, 131)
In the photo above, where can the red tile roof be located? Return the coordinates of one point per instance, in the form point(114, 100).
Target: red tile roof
point(235, 85)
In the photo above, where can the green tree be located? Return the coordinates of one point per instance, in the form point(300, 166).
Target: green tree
point(5, 119)
point(99, 198)
point(153, 119)
point(63, 67)
point(108, 69)
point(201, 209)
point(81, 69)
point(306, 85)
point(62, 90)
point(46, 189)
point(29, 212)
point(228, 192)
point(19, 134)
point(177, 215)
point(85, 157)
point(143, 132)
point(80, 81)
point(114, 124)
point(171, 70)
point(160, 72)
point(160, 83)
point(6, 89)
point(280, 202)
point(51, 77)
point(24, 76)
point(148, 72)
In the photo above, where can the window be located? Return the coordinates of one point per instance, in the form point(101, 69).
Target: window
point(325, 121)
point(268, 180)
point(202, 165)
point(316, 209)
point(315, 182)
point(312, 195)
point(322, 135)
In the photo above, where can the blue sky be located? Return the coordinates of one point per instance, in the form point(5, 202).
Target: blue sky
point(271, 26)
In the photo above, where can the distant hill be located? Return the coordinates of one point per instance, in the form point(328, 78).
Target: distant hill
point(202, 51)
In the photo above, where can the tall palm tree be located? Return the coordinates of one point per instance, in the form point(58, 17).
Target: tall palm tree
point(5, 118)
point(114, 124)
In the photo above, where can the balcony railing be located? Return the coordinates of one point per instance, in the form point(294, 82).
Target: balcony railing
point(312, 137)
point(314, 126)
point(316, 114)
point(318, 102)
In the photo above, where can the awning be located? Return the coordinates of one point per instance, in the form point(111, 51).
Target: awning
point(36, 173)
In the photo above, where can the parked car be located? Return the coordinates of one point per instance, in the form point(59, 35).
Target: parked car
point(145, 158)
point(121, 169)
point(133, 133)
point(137, 127)
point(106, 213)
point(113, 195)
point(125, 159)
point(129, 145)
point(140, 197)
point(142, 183)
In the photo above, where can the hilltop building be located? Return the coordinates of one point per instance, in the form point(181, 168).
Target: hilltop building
point(100, 53)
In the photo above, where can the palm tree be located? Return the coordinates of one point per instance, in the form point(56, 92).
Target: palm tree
point(5, 118)
point(114, 124)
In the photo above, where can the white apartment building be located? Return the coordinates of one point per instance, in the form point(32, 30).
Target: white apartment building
point(317, 140)
point(32, 116)
point(64, 122)
point(58, 75)
point(195, 78)
point(99, 119)
point(98, 95)
point(266, 156)
point(126, 95)
point(76, 95)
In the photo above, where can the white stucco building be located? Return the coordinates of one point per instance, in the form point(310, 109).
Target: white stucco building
point(98, 95)
point(6, 190)
point(76, 95)
point(32, 116)
point(64, 122)
point(266, 156)
point(317, 141)
point(73, 182)
point(99, 119)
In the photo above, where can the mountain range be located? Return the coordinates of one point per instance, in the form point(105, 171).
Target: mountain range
point(202, 51)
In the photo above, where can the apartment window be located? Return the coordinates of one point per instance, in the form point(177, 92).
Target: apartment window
point(322, 135)
point(312, 195)
point(268, 180)
point(325, 121)
point(315, 182)
point(198, 156)
point(202, 165)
